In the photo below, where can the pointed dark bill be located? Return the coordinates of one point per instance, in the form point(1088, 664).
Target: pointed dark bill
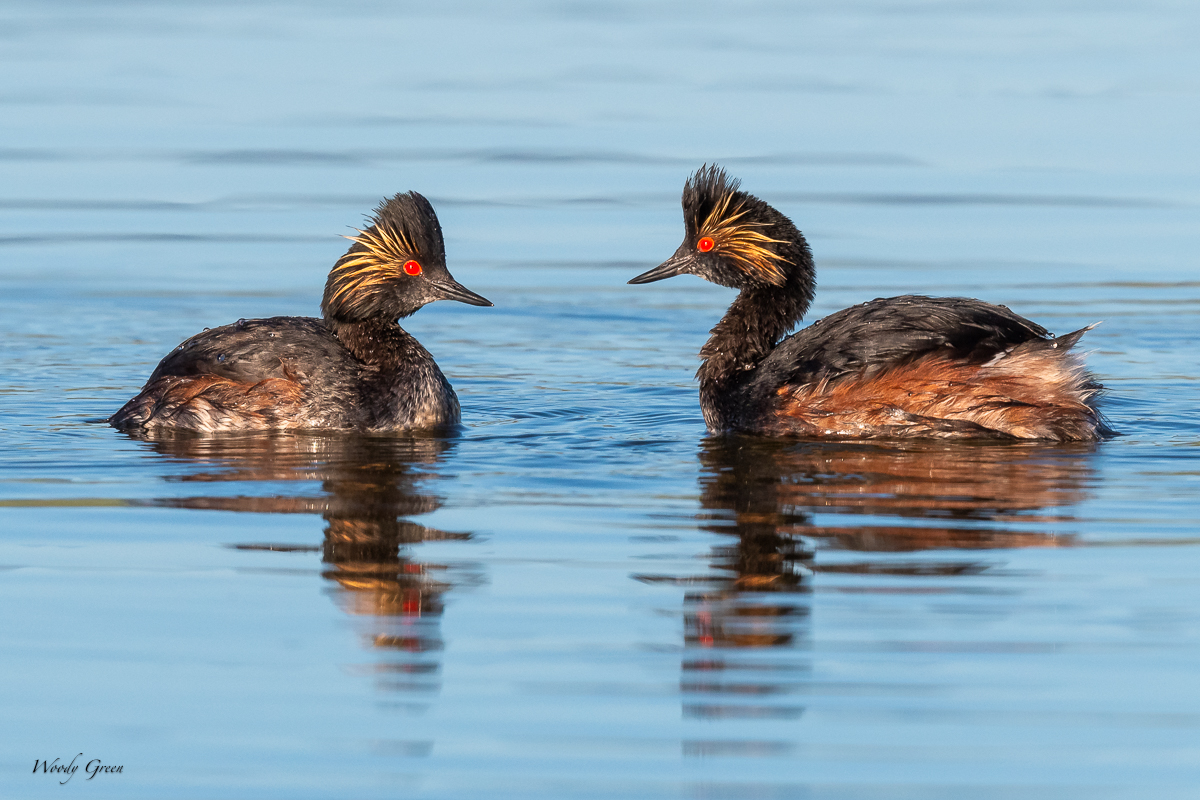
point(453, 290)
point(677, 264)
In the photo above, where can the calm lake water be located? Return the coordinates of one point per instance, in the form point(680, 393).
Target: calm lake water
point(582, 595)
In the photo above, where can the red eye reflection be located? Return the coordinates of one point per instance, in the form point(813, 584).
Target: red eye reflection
point(412, 268)
point(706, 244)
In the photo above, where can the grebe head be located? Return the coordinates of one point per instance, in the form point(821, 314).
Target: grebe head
point(733, 238)
point(394, 267)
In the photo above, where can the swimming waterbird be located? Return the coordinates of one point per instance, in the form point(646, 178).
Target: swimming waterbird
point(911, 366)
point(355, 368)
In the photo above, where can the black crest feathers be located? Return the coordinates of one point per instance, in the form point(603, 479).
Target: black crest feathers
point(362, 284)
point(716, 208)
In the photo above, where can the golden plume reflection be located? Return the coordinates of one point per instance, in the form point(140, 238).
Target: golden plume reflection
point(364, 488)
point(776, 506)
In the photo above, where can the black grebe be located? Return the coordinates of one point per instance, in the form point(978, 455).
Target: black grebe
point(355, 369)
point(936, 367)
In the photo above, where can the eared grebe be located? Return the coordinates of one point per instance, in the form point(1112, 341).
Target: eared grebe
point(355, 369)
point(941, 367)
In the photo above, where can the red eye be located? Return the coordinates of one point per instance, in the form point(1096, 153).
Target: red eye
point(412, 268)
point(705, 244)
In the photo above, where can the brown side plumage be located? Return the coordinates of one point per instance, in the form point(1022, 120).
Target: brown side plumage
point(211, 403)
point(1040, 390)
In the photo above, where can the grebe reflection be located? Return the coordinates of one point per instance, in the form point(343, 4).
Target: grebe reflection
point(368, 486)
point(777, 509)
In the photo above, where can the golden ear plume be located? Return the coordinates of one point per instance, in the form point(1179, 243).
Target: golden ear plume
point(385, 250)
point(740, 242)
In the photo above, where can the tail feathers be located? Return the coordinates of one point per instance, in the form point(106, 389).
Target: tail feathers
point(1067, 341)
point(1046, 375)
point(134, 414)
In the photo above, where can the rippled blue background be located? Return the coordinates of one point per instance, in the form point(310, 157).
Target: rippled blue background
point(582, 595)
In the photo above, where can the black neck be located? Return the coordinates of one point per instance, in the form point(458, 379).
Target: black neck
point(749, 331)
point(376, 341)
